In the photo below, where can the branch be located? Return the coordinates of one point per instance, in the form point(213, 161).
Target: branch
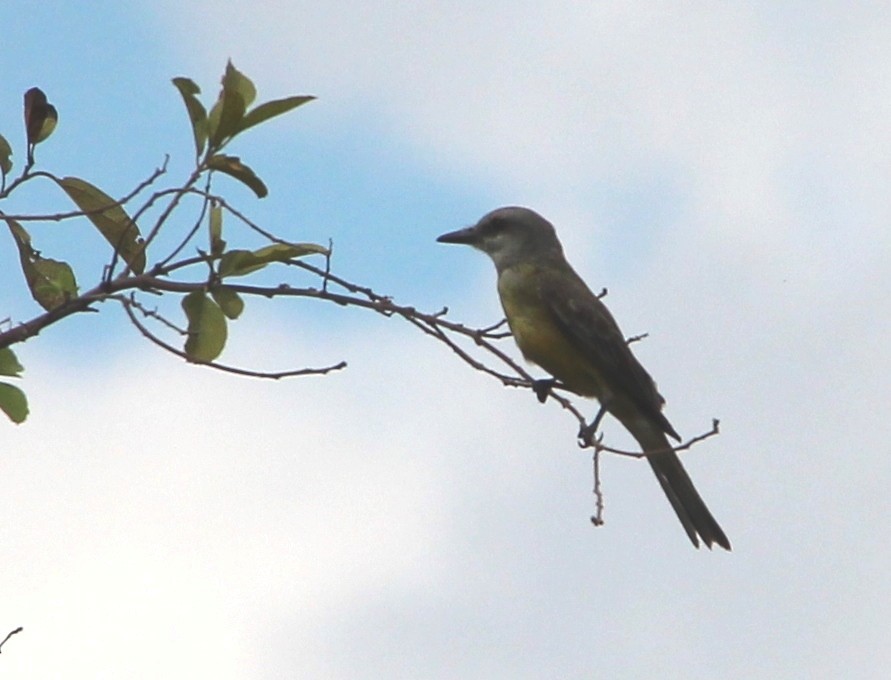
point(128, 305)
point(589, 441)
point(31, 328)
point(194, 230)
point(58, 217)
point(433, 324)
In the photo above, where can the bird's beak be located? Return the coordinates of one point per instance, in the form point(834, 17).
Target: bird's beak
point(468, 236)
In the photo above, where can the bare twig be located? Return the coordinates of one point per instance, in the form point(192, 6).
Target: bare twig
point(186, 188)
point(271, 375)
point(150, 313)
point(598, 446)
point(489, 331)
point(9, 635)
point(637, 338)
point(195, 227)
point(58, 217)
point(597, 517)
point(327, 274)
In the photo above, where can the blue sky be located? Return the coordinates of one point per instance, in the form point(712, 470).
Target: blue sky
point(723, 170)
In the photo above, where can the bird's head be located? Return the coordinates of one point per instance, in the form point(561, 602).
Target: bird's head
point(510, 236)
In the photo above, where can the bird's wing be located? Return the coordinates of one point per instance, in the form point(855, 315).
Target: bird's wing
point(590, 327)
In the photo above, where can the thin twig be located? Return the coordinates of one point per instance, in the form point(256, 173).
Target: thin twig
point(9, 635)
point(195, 227)
point(597, 517)
point(327, 274)
point(165, 214)
point(276, 375)
point(58, 217)
point(488, 330)
point(656, 452)
point(150, 313)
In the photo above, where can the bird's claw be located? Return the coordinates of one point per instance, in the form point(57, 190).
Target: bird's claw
point(542, 388)
point(588, 433)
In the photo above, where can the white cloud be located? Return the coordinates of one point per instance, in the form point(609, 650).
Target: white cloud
point(548, 100)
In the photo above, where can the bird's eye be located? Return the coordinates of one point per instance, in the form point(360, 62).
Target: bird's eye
point(495, 226)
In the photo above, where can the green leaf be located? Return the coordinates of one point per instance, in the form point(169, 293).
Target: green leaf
point(241, 262)
point(217, 244)
point(9, 364)
point(13, 403)
point(55, 283)
point(197, 114)
point(232, 165)
point(238, 263)
point(49, 123)
point(51, 282)
point(271, 109)
point(186, 86)
point(40, 116)
point(235, 81)
point(225, 117)
point(110, 219)
point(228, 300)
point(35, 112)
point(280, 252)
point(207, 327)
point(5, 154)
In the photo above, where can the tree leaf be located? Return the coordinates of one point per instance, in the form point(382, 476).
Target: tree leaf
point(197, 113)
point(268, 110)
point(110, 219)
point(228, 300)
point(40, 116)
point(279, 252)
point(9, 364)
point(207, 327)
point(49, 123)
point(186, 86)
point(215, 224)
point(238, 263)
point(5, 156)
point(54, 284)
point(241, 262)
point(236, 95)
point(35, 112)
point(51, 282)
point(232, 165)
point(13, 403)
point(235, 81)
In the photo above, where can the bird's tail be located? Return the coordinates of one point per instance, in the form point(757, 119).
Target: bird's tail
point(683, 496)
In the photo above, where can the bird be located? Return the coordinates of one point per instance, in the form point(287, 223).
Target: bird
point(560, 325)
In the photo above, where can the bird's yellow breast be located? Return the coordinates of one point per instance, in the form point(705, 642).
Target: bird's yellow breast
point(537, 335)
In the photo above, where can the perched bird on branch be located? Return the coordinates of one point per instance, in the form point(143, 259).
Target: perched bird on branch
point(561, 326)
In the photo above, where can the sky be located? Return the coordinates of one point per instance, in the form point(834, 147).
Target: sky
point(721, 168)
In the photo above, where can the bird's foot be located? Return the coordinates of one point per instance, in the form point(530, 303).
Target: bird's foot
point(542, 388)
point(588, 433)
point(588, 436)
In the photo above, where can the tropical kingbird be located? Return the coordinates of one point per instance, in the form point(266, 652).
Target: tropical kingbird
point(561, 326)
